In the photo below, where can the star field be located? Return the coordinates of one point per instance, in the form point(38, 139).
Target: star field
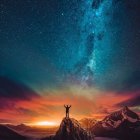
point(69, 50)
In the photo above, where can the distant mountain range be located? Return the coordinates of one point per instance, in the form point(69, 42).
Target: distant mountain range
point(8, 134)
point(35, 132)
point(20, 127)
point(123, 124)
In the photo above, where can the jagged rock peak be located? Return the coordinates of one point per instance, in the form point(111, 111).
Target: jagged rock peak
point(70, 129)
point(116, 118)
point(127, 113)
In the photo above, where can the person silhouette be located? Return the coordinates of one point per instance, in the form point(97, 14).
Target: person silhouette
point(67, 110)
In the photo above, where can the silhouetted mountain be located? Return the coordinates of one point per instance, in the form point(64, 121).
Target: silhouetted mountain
point(122, 124)
point(8, 134)
point(33, 131)
point(21, 127)
point(70, 129)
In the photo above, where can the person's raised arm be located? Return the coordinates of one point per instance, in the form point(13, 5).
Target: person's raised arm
point(65, 106)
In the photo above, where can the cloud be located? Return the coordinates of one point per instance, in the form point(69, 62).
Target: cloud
point(6, 103)
point(12, 93)
point(133, 81)
point(10, 89)
point(132, 102)
point(102, 110)
point(5, 121)
point(25, 111)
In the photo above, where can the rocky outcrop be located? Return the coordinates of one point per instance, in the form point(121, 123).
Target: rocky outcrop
point(70, 129)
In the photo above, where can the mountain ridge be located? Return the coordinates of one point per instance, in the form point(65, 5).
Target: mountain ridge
point(8, 134)
point(123, 124)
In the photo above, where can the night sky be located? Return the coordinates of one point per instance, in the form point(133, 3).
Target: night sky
point(56, 52)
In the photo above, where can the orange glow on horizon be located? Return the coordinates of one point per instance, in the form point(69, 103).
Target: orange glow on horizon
point(44, 124)
point(48, 110)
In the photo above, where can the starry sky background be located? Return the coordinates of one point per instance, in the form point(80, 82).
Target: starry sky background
point(54, 52)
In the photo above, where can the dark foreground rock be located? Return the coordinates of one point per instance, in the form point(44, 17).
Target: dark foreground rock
point(70, 129)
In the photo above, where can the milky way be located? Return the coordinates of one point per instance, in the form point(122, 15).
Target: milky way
point(57, 51)
point(95, 37)
point(110, 39)
point(96, 42)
